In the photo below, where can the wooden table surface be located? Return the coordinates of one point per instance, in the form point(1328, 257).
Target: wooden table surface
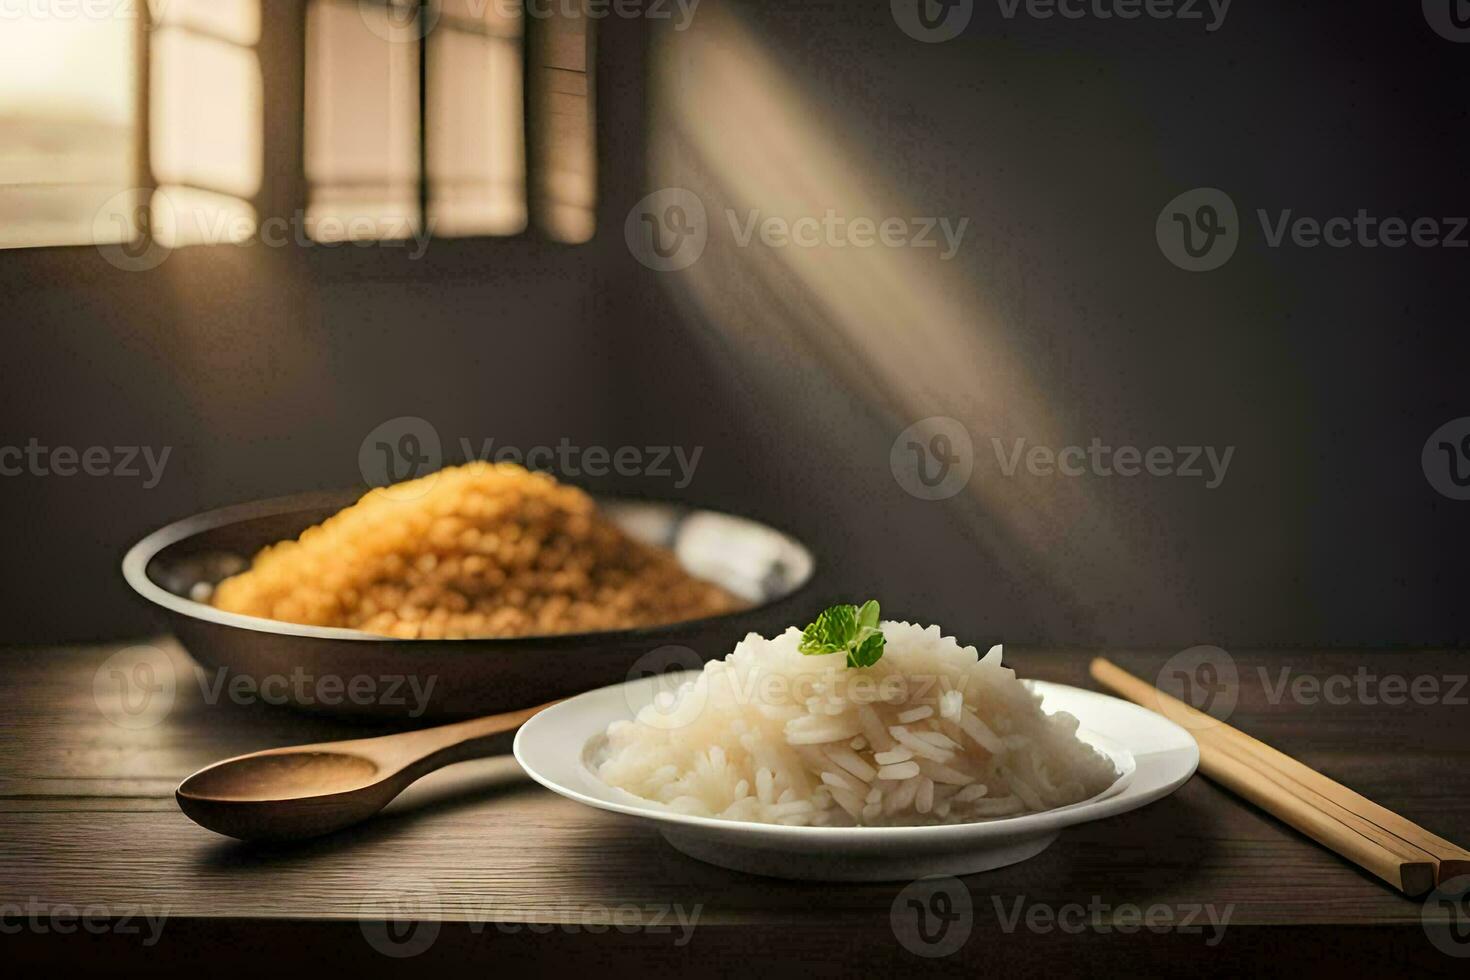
point(88, 822)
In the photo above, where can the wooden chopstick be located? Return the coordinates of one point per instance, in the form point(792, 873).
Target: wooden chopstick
point(1395, 849)
point(1408, 867)
point(1450, 859)
point(1409, 876)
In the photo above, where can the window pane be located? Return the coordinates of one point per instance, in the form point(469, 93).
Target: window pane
point(566, 150)
point(477, 176)
point(68, 129)
point(206, 113)
point(362, 123)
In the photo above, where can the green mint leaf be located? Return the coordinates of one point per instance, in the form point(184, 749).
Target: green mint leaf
point(833, 631)
point(868, 652)
point(846, 629)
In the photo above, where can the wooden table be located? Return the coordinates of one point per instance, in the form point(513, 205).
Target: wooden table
point(516, 875)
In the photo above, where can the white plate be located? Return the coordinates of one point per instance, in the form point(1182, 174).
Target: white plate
point(1154, 756)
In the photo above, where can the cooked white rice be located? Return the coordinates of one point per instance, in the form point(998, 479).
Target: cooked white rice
point(931, 734)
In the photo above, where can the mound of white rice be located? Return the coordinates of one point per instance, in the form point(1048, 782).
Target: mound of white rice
point(932, 733)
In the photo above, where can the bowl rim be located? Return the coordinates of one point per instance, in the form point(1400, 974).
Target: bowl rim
point(135, 572)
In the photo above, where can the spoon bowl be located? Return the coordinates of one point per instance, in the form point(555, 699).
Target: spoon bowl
point(281, 776)
point(238, 801)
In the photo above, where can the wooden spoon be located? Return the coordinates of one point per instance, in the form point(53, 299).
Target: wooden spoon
point(307, 790)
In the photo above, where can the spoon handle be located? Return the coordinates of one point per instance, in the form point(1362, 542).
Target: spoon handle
point(427, 749)
point(414, 753)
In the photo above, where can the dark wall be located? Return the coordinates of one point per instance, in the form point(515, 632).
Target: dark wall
point(1327, 369)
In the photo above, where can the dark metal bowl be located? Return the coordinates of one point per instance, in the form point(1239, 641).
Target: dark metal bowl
point(761, 565)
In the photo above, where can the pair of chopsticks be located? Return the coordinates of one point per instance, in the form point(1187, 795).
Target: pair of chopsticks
point(1395, 849)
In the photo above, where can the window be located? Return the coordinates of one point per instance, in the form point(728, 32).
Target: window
point(562, 103)
point(415, 117)
point(476, 121)
point(362, 122)
point(205, 117)
point(390, 146)
point(68, 129)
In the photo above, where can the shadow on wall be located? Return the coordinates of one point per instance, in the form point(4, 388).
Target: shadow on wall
point(1257, 427)
point(760, 200)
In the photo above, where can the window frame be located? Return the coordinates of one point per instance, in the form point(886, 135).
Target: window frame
point(271, 188)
